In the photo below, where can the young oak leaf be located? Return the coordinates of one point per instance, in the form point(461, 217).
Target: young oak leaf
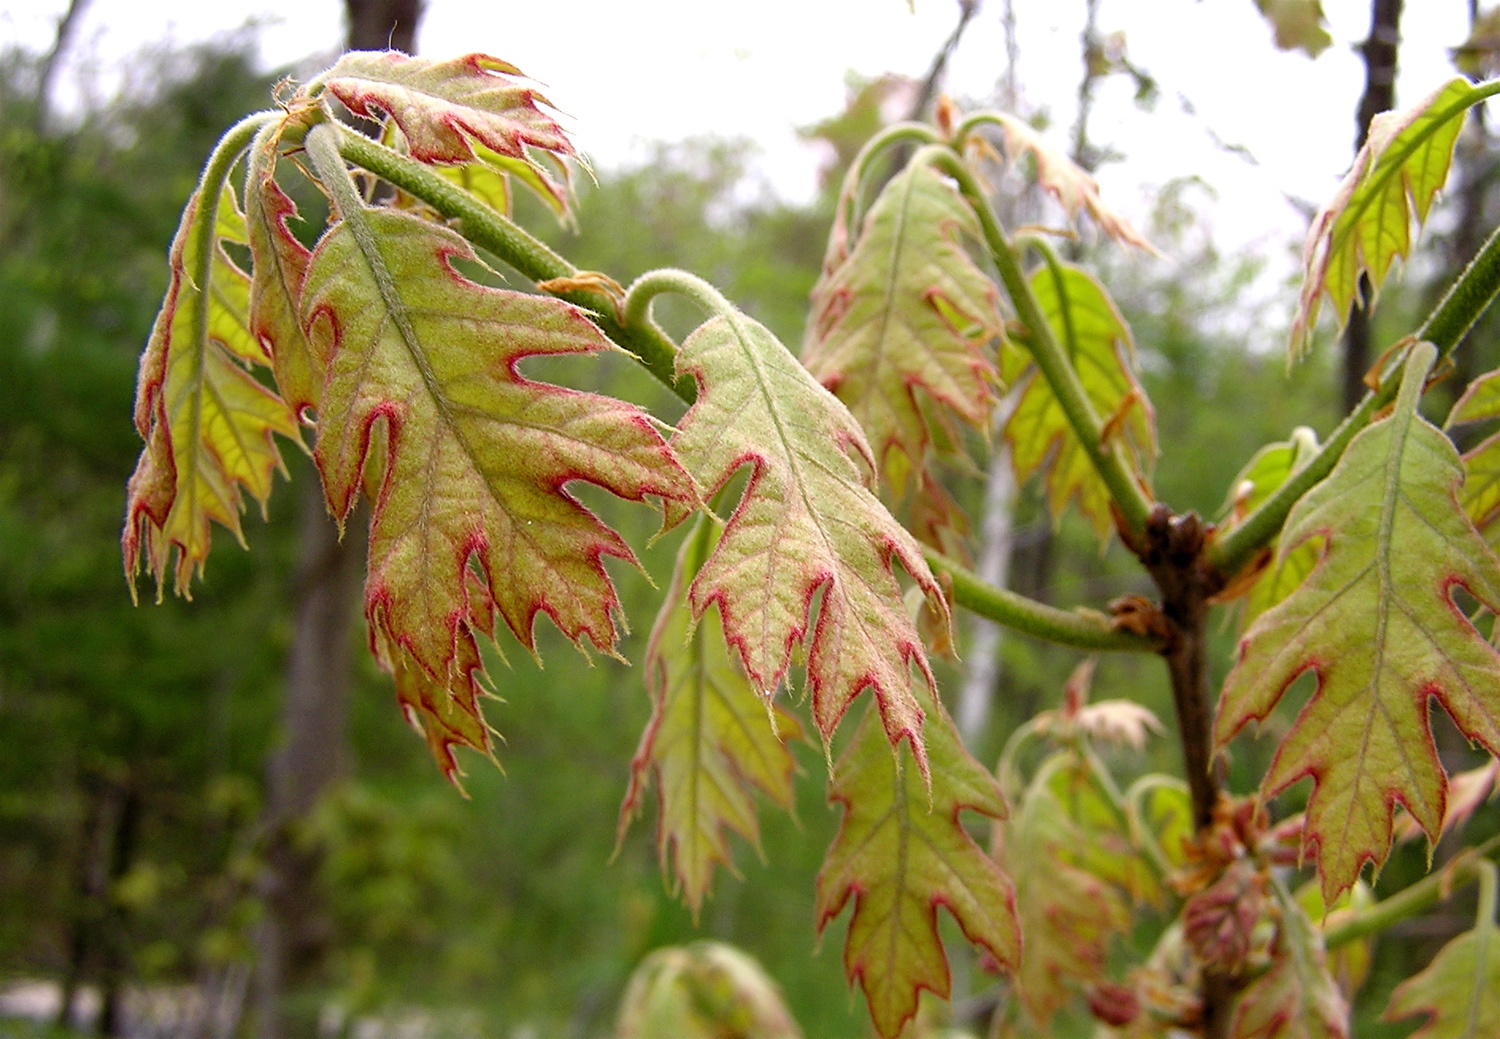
point(1297, 997)
point(712, 740)
point(807, 523)
point(207, 422)
point(1480, 495)
point(1063, 179)
point(1096, 339)
point(1376, 623)
point(444, 108)
point(477, 456)
point(900, 857)
point(1459, 992)
point(907, 312)
point(279, 263)
point(1367, 224)
point(1271, 467)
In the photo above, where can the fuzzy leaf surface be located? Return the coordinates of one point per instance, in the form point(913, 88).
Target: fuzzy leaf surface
point(477, 457)
point(1093, 334)
point(1367, 225)
point(712, 740)
point(444, 108)
point(808, 523)
point(899, 858)
point(908, 312)
point(1297, 997)
point(1376, 623)
point(207, 422)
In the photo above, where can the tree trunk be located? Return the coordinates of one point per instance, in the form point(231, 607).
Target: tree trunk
point(1379, 53)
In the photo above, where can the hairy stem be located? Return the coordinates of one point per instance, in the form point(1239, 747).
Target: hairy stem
point(1051, 360)
point(1445, 327)
point(1417, 898)
point(500, 236)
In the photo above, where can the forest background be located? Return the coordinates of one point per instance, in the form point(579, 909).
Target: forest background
point(139, 747)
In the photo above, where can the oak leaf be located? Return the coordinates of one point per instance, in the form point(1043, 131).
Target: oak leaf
point(899, 856)
point(808, 531)
point(908, 312)
point(712, 740)
point(472, 480)
point(1367, 224)
point(1480, 495)
point(1296, 998)
point(1094, 336)
point(1376, 623)
point(207, 422)
point(1459, 991)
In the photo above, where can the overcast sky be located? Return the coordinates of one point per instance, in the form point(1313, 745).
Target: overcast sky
point(628, 70)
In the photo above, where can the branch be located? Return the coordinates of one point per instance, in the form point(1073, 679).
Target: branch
point(494, 232)
point(1422, 895)
point(1108, 460)
point(1444, 328)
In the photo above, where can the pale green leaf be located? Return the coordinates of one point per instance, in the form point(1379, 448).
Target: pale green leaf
point(1367, 225)
point(706, 990)
point(1459, 991)
point(477, 456)
point(808, 530)
point(1094, 336)
point(207, 422)
point(712, 741)
point(1480, 495)
point(1376, 623)
point(900, 855)
point(908, 312)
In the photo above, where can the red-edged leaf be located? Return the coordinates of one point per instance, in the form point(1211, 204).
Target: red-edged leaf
point(1376, 623)
point(1296, 998)
point(207, 422)
point(1367, 225)
point(807, 530)
point(477, 456)
point(1459, 992)
point(1094, 335)
point(712, 740)
point(280, 265)
point(906, 313)
point(446, 107)
point(900, 857)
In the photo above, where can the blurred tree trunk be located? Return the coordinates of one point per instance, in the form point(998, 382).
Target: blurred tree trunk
point(315, 727)
point(1379, 52)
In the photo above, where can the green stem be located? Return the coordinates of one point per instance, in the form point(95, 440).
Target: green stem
point(1052, 361)
point(1080, 630)
point(637, 306)
point(1462, 305)
point(494, 232)
point(851, 192)
point(1417, 898)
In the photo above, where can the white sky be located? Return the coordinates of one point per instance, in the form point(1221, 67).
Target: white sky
point(628, 70)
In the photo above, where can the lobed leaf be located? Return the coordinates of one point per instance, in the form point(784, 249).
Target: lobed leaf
point(1097, 341)
point(899, 856)
point(1459, 991)
point(1296, 998)
point(1058, 175)
point(908, 312)
point(207, 422)
point(446, 109)
point(1376, 624)
point(1367, 225)
point(712, 740)
point(1480, 495)
point(472, 480)
point(807, 526)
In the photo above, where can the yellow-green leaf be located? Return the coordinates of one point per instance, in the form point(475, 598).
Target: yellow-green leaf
point(808, 530)
point(207, 422)
point(1092, 332)
point(908, 312)
point(712, 740)
point(477, 457)
point(1480, 495)
point(1367, 225)
point(899, 857)
point(1459, 992)
point(1377, 625)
